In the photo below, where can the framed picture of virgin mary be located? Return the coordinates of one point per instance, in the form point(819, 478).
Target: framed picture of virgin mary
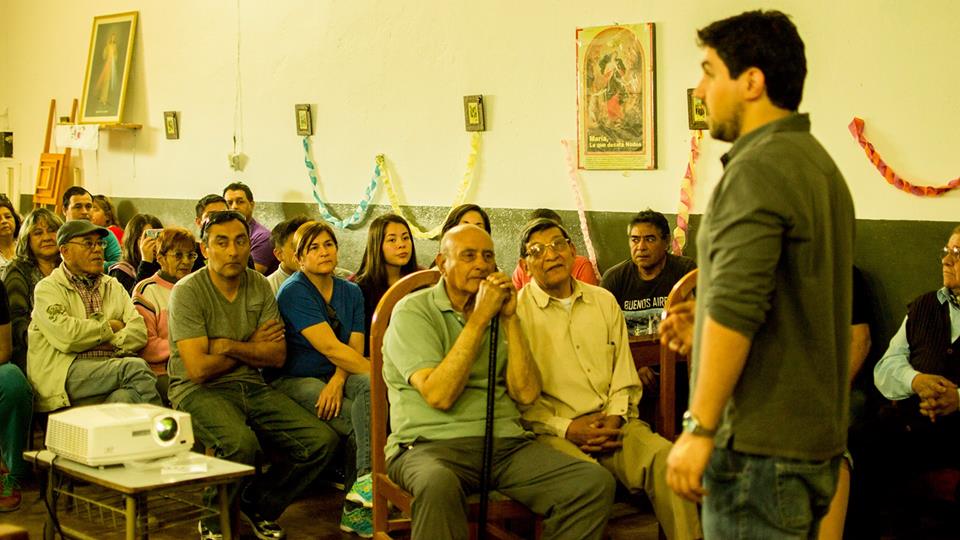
point(108, 68)
point(616, 97)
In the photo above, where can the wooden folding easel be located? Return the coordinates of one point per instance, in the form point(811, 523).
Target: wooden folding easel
point(52, 173)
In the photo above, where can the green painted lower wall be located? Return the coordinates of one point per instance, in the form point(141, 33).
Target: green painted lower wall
point(899, 258)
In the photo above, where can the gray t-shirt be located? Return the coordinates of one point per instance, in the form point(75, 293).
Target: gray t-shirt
point(198, 308)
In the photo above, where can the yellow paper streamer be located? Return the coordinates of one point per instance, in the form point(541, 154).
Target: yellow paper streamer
point(457, 200)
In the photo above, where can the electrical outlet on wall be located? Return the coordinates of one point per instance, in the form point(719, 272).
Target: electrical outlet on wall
point(304, 119)
point(473, 113)
point(171, 124)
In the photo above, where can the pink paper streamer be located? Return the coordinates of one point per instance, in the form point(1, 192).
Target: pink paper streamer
point(856, 129)
point(686, 195)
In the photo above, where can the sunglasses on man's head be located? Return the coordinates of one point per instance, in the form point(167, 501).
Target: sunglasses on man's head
point(216, 218)
point(335, 323)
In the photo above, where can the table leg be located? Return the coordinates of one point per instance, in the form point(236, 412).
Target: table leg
point(131, 517)
point(49, 530)
point(226, 507)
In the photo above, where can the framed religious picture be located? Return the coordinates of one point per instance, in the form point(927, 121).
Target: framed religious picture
point(696, 112)
point(171, 124)
point(616, 97)
point(108, 68)
point(304, 120)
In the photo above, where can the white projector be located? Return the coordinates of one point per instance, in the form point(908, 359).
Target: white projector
point(115, 433)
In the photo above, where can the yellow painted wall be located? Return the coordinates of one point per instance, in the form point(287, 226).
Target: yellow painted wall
point(388, 76)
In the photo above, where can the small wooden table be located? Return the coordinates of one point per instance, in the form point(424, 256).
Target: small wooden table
point(141, 490)
point(646, 353)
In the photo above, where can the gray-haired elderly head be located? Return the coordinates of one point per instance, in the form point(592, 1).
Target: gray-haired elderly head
point(535, 226)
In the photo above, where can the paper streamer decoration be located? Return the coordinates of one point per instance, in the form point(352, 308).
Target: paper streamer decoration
point(686, 195)
point(362, 207)
point(894, 179)
point(457, 200)
point(581, 211)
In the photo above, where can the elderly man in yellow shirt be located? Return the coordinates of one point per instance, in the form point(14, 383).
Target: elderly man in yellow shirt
point(588, 405)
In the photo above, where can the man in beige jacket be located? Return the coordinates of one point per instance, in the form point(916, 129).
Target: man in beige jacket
point(84, 331)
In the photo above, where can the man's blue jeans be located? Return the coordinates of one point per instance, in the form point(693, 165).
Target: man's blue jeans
point(233, 417)
point(751, 496)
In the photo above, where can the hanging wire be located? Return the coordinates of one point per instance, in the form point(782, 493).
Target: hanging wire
point(237, 108)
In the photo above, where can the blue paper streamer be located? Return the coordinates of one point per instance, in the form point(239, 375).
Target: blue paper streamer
point(362, 207)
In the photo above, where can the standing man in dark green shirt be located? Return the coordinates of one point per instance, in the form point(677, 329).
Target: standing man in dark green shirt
point(767, 420)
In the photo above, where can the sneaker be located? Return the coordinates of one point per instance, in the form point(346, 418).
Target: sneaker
point(10, 496)
point(362, 491)
point(208, 534)
point(358, 522)
point(264, 529)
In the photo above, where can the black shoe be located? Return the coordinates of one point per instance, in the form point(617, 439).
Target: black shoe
point(264, 528)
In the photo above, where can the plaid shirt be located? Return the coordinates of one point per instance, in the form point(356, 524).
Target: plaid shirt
point(89, 290)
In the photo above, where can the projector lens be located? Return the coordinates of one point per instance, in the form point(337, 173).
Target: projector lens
point(166, 428)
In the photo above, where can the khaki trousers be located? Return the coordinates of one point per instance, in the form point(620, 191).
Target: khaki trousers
point(642, 465)
point(573, 497)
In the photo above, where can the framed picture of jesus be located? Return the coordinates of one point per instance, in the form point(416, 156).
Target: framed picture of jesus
point(108, 68)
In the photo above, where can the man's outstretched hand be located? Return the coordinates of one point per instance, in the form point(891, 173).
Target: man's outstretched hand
point(676, 330)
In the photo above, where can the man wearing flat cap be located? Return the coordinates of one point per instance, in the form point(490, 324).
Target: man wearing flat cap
point(84, 331)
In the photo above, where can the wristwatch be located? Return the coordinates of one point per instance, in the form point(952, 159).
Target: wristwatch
point(692, 425)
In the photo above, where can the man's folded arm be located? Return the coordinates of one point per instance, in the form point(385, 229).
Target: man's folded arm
point(202, 366)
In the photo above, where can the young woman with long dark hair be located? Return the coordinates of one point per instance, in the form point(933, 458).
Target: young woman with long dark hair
point(389, 256)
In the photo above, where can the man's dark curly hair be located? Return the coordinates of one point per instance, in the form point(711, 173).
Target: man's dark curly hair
point(768, 41)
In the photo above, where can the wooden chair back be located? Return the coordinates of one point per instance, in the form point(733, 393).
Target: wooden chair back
point(682, 291)
point(385, 491)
